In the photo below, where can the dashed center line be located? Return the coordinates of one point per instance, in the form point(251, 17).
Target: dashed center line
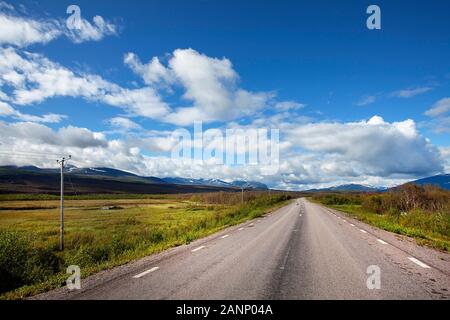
point(240, 229)
point(225, 236)
point(199, 248)
point(381, 241)
point(352, 224)
point(344, 220)
point(146, 272)
point(418, 262)
point(363, 231)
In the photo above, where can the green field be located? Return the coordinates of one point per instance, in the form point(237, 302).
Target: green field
point(102, 233)
point(419, 212)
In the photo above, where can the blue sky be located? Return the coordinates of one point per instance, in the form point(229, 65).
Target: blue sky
point(319, 56)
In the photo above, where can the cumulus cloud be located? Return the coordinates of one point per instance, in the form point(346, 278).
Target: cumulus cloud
point(373, 152)
point(152, 72)
point(33, 78)
point(143, 102)
point(209, 84)
point(209, 87)
point(30, 133)
point(412, 92)
point(376, 147)
point(21, 30)
point(95, 31)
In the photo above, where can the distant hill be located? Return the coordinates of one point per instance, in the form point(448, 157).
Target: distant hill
point(441, 180)
point(188, 181)
point(91, 180)
point(250, 185)
point(348, 187)
point(217, 183)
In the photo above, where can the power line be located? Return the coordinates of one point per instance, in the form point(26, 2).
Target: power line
point(73, 188)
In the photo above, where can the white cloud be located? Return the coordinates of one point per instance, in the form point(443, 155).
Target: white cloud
point(7, 111)
point(124, 123)
point(375, 147)
point(21, 30)
point(29, 133)
point(143, 102)
point(366, 101)
point(46, 118)
point(409, 93)
point(445, 153)
point(95, 31)
point(371, 152)
point(210, 84)
point(439, 108)
point(289, 105)
point(34, 78)
point(153, 72)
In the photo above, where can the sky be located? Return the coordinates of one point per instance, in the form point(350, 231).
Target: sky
point(351, 105)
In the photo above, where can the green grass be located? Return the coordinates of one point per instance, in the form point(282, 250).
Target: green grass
point(430, 229)
point(97, 238)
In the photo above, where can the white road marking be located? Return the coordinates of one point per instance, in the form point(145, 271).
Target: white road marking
point(363, 231)
point(381, 241)
point(199, 248)
point(240, 229)
point(418, 262)
point(344, 220)
point(352, 224)
point(300, 215)
point(146, 272)
point(225, 236)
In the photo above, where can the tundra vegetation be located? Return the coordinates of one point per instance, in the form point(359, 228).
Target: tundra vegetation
point(419, 212)
point(103, 231)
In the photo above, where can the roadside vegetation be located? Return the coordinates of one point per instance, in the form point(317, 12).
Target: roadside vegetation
point(419, 212)
point(103, 231)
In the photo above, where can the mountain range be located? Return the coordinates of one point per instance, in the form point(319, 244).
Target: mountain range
point(441, 180)
point(30, 179)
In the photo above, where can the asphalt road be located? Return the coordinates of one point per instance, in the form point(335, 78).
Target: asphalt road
point(301, 251)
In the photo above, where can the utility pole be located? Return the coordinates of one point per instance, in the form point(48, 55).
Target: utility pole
point(62, 163)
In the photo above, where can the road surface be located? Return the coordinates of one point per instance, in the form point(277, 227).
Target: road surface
point(301, 251)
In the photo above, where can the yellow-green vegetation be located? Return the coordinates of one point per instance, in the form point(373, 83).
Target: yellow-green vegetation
point(419, 212)
point(102, 233)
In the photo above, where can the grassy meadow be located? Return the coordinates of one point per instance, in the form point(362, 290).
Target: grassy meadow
point(104, 231)
point(419, 212)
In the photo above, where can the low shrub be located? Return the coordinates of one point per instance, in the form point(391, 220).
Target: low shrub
point(21, 263)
